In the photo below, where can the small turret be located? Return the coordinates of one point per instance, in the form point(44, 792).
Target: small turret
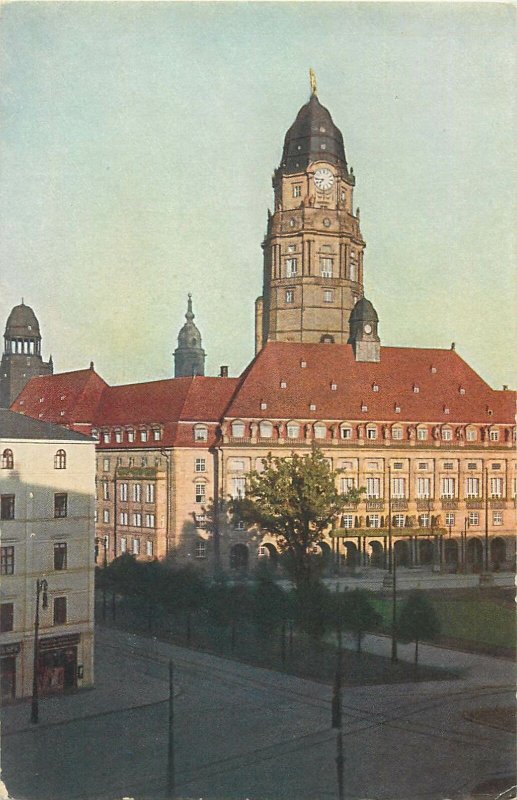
point(364, 338)
point(189, 356)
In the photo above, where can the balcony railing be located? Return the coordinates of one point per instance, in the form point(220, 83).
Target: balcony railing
point(399, 504)
point(375, 505)
point(449, 504)
point(476, 503)
point(424, 504)
point(497, 502)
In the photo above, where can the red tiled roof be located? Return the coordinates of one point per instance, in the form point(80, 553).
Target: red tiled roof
point(437, 374)
point(66, 398)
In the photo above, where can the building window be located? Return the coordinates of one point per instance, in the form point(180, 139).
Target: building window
point(150, 521)
point(472, 435)
point(450, 519)
point(123, 544)
point(373, 488)
point(328, 296)
point(130, 435)
point(7, 506)
point(137, 492)
point(473, 518)
point(398, 488)
point(157, 434)
point(421, 434)
point(326, 267)
point(496, 466)
point(448, 465)
point(346, 433)
point(60, 554)
point(448, 488)
point(59, 610)
point(423, 488)
point(371, 433)
point(494, 436)
point(346, 484)
point(143, 435)
point(399, 521)
point(320, 432)
point(123, 492)
point(106, 436)
point(124, 518)
point(60, 505)
point(106, 516)
point(472, 487)
point(423, 465)
point(265, 430)
point(373, 521)
point(297, 190)
point(423, 520)
point(347, 521)
point(201, 433)
point(472, 465)
point(497, 518)
point(137, 519)
point(293, 430)
point(6, 617)
point(149, 493)
point(237, 466)
point(200, 493)
point(289, 295)
point(291, 267)
point(238, 487)
point(105, 490)
point(239, 525)
point(238, 429)
point(7, 561)
point(397, 433)
point(446, 434)
point(7, 459)
point(200, 465)
point(149, 548)
point(106, 465)
point(496, 487)
point(200, 550)
point(136, 547)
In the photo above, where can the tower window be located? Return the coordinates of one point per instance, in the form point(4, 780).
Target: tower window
point(326, 267)
point(291, 267)
point(297, 190)
point(289, 295)
point(328, 296)
point(291, 248)
point(292, 223)
point(60, 460)
point(323, 146)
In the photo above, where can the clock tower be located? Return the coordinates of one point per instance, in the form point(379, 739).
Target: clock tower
point(313, 248)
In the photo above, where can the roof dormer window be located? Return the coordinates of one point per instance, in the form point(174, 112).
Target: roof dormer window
point(263, 406)
point(397, 408)
point(312, 407)
point(433, 370)
point(416, 389)
point(446, 410)
point(461, 390)
point(333, 387)
point(375, 387)
point(364, 407)
point(303, 364)
point(283, 384)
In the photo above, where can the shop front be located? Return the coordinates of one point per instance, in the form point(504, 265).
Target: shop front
point(57, 663)
point(8, 654)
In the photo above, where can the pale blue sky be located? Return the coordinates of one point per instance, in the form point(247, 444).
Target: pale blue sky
point(139, 142)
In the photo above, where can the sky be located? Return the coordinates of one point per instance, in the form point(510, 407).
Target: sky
point(138, 146)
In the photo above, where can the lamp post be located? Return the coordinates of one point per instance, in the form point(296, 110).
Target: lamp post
point(487, 552)
point(41, 588)
point(104, 540)
point(394, 656)
point(466, 525)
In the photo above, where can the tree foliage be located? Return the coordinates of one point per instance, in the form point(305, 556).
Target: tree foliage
point(418, 620)
point(295, 499)
point(359, 614)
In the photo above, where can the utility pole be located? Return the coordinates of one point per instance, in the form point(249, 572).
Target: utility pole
point(171, 778)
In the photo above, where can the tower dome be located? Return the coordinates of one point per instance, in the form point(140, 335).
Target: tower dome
point(363, 311)
point(22, 321)
point(189, 356)
point(313, 136)
point(364, 336)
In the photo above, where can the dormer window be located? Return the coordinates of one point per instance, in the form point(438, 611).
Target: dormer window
point(461, 390)
point(416, 389)
point(293, 430)
point(433, 370)
point(118, 437)
point(263, 406)
point(333, 387)
point(303, 364)
point(131, 435)
point(200, 433)
point(143, 435)
point(283, 384)
point(397, 408)
point(157, 434)
point(238, 429)
point(446, 410)
point(312, 407)
point(364, 407)
point(106, 437)
point(320, 431)
point(375, 387)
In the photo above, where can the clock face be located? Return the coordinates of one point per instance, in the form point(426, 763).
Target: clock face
point(367, 328)
point(323, 179)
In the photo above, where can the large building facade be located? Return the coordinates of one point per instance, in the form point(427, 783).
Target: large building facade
point(47, 533)
point(430, 442)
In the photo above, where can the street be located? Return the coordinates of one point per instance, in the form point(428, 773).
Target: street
point(244, 732)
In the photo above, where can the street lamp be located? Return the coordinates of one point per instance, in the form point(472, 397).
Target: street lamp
point(41, 588)
point(466, 525)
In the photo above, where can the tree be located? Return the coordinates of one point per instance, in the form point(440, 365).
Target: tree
point(313, 608)
point(295, 499)
point(184, 592)
point(359, 613)
point(269, 606)
point(228, 605)
point(418, 620)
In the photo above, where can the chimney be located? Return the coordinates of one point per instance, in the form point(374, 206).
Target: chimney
point(453, 345)
point(91, 365)
point(505, 387)
point(223, 373)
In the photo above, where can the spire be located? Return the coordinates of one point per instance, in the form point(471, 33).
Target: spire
point(189, 316)
point(314, 85)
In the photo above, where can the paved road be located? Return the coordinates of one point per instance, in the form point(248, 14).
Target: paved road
point(243, 732)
